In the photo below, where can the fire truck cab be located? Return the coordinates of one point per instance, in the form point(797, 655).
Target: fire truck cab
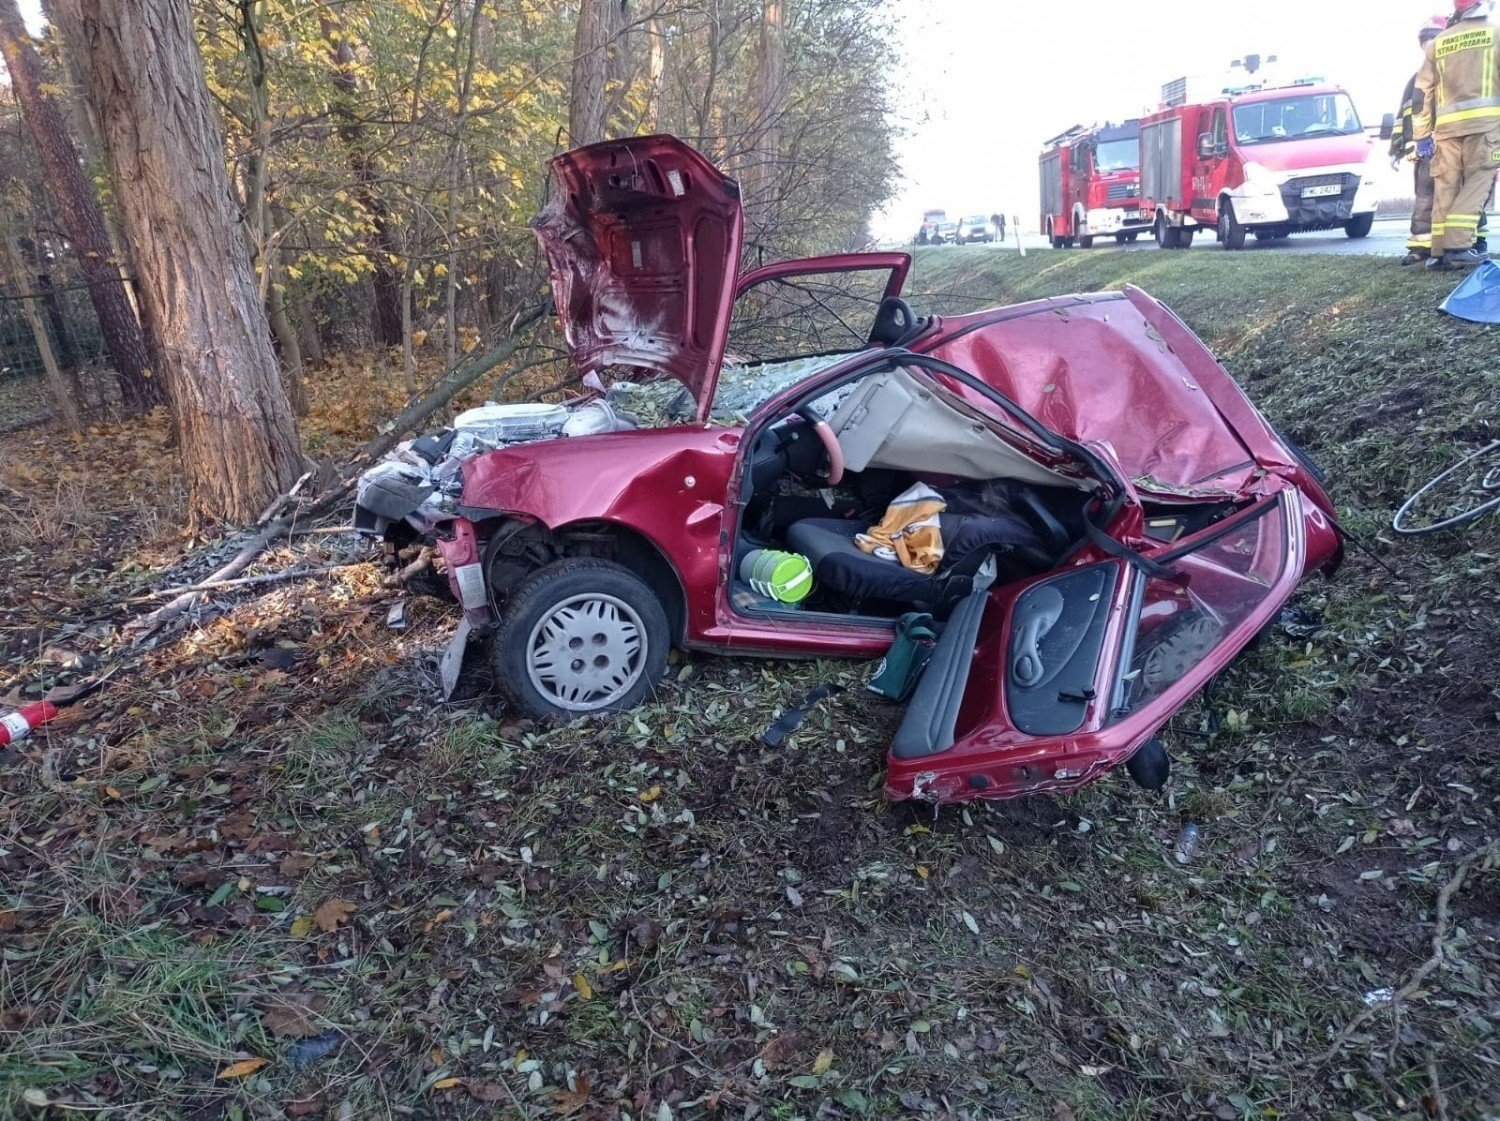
point(1268, 161)
point(1091, 185)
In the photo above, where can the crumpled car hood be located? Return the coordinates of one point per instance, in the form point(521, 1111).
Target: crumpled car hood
point(643, 238)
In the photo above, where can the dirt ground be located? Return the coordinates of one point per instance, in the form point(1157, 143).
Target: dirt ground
point(264, 873)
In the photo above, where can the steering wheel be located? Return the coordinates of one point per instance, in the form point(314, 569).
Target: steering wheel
point(830, 443)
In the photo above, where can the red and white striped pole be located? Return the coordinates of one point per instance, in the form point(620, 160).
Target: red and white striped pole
point(19, 725)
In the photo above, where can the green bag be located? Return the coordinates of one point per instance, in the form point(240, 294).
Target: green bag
point(898, 672)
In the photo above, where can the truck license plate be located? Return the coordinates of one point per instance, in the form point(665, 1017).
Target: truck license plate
point(1321, 192)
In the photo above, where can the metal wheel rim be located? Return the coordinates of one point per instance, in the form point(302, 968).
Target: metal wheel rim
point(1489, 482)
point(587, 652)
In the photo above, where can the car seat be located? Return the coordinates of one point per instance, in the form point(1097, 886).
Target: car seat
point(840, 566)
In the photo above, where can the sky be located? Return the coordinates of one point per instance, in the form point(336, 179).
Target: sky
point(984, 82)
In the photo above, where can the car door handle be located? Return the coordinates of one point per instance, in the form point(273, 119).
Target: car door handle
point(1027, 666)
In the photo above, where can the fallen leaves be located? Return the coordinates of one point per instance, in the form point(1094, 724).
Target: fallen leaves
point(242, 1069)
point(287, 1021)
point(566, 1102)
point(332, 913)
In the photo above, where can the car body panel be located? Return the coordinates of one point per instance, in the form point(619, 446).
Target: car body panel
point(642, 238)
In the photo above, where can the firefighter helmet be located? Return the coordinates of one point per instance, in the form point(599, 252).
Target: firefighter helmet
point(1465, 8)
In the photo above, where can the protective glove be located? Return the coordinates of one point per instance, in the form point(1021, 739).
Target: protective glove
point(1425, 148)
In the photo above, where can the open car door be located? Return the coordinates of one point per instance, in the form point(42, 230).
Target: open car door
point(1039, 686)
point(794, 318)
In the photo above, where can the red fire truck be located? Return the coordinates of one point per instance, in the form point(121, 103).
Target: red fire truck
point(1091, 185)
point(1264, 160)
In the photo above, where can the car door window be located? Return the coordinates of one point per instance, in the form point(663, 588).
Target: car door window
point(1224, 577)
point(1220, 132)
point(788, 325)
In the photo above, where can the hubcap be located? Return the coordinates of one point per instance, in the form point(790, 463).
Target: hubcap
point(587, 653)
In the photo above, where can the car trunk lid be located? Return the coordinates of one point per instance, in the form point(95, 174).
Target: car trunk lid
point(643, 238)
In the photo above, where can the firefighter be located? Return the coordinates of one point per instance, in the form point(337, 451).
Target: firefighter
point(1419, 244)
point(1456, 122)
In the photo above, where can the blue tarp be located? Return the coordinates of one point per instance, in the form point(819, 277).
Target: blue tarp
point(1477, 299)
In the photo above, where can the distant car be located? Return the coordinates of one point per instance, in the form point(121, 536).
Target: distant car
point(974, 228)
point(1119, 521)
point(946, 233)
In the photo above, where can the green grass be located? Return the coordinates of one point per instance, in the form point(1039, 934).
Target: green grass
point(758, 928)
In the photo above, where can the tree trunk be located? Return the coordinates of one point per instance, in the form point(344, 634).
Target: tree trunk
point(55, 381)
point(455, 180)
point(142, 70)
point(80, 215)
point(595, 43)
point(762, 193)
point(286, 338)
point(656, 73)
point(46, 292)
point(386, 320)
point(260, 241)
point(307, 331)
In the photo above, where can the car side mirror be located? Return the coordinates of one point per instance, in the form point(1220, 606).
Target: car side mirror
point(1387, 126)
point(1206, 148)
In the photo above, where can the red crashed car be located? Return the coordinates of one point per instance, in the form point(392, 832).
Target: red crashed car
point(1118, 521)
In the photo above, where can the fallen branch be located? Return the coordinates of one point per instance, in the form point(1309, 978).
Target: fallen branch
point(280, 503)
point(248, 581)
point(1428, 967)
point(450, 385)
point(240, 561)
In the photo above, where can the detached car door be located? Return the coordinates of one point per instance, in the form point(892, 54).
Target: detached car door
point(1038, 687)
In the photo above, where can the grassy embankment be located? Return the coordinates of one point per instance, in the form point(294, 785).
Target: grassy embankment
point(657, 916)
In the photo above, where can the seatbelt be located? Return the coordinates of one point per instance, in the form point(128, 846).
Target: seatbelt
point(1119, 551)
point(1057, 535)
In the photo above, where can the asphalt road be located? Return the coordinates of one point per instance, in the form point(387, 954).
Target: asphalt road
point(1387, 239)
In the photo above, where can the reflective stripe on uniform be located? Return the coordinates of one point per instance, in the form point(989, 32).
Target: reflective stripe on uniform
point(1468, 115)
point(1483, 101)
point(1463, 221)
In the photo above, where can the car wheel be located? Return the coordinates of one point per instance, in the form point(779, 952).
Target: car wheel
point(1185, 238)
point(1085, 241)
point(1231, 233)
point(1120, 239)
point(1132, 237)
point(581, 636)
point(1361, 226)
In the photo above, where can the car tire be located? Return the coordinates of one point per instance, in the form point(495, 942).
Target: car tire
point(1132, 237)
point(1185, 238)
point(1167, 236)
point(1361, 226)
point(1150, 766)
point(1085, 241)
point(603, 619)
point(1121, 239)
point(1231, 233)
